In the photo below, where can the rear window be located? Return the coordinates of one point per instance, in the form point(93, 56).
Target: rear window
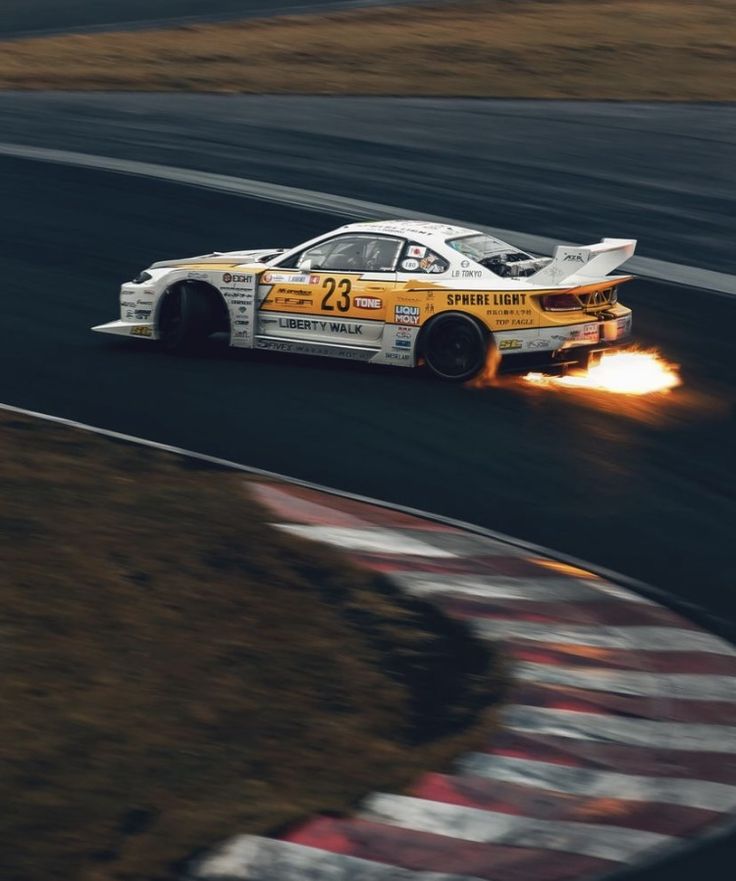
point(418, 258)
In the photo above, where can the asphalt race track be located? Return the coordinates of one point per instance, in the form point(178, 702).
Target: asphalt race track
point(643, 488)
point(29, 18)
point(570, 170)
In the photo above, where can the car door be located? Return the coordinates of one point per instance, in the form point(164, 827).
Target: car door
point(338, 291)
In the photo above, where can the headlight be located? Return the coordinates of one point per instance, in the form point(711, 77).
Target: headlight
point(142, 278)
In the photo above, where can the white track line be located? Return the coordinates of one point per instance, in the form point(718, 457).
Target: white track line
point(606, 728)
point(640, 638)
point(675, 273)
point(492, 827)
point(592, 783)
point(684, 686)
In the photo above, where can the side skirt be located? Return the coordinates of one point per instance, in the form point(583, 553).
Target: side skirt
point(328, 350)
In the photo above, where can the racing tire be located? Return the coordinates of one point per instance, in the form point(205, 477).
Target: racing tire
point(185, 320)
point(455, 347)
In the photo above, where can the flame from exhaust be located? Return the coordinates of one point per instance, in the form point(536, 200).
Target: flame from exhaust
point(623, 373)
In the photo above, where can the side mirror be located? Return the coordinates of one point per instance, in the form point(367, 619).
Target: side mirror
point(306, 265)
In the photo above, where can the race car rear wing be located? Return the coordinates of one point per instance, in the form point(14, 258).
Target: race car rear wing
point(587, 263)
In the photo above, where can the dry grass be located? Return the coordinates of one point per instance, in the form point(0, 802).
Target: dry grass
point(614, 49)
point(175, 671)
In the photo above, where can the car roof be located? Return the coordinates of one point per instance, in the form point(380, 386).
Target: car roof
point(424, 229)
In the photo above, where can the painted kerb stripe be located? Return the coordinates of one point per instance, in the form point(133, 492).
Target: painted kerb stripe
point(605, 728)
point(552, 589)
point(268, 859)
point(375, 541)
point(472, 824)
point(342, 206)
point(643, 638)
point(702, 794)
point(696, 687)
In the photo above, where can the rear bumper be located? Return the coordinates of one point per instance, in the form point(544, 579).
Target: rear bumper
point(139, 329)
point(588, 353)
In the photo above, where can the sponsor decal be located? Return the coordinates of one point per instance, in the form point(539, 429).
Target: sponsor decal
point(397, 356)
point(288, 278)
point(464, 264)
point(410, 265)
point(588, 333)
point(142, 302)
point(574, 258)
point(321, 326)
point(486, 299)
point(241, 322)
point(402, 344)
point(403, 333)
point(143, 330)
point(539, 344)
point(510, 344)
point(368, 303)
point(142, 314)
point(127, 304)
point(623, 326)
point(467, 273)
point(229, 278)
point(417, 251)
point(292, 301)
point(311, 349)
point(406, 314)
point(196, 275)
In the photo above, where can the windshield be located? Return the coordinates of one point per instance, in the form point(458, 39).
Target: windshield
point(480, 247)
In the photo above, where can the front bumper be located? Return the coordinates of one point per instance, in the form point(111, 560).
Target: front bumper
point(139, 329)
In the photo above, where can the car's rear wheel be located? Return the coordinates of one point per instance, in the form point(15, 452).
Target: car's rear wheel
point(454, 347)
point(186, 319)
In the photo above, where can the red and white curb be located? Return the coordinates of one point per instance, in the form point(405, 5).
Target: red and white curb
point(619, 738)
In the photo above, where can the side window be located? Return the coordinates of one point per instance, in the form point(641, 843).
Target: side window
point(419, 259)
point(359, 253)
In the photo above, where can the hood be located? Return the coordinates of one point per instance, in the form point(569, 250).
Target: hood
point(229, 258)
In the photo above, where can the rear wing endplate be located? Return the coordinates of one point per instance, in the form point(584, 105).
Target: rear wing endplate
point(586, 263)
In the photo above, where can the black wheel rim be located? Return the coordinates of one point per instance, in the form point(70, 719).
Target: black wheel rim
point(454, 349)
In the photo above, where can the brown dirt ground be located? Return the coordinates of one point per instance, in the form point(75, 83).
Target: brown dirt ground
point(608, 49)
point(176, 671)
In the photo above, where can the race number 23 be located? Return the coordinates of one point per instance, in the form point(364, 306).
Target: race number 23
point(341, 289)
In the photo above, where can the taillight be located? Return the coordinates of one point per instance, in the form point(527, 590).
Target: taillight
point(560, 303)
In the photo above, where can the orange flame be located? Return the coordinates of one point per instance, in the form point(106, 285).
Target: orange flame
point(623, 373)
point(487, 377)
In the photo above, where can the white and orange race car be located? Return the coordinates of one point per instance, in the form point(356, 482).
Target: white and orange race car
point(400, 292)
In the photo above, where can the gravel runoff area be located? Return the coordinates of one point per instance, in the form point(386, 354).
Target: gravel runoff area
point(610, 49)
point(176, 671)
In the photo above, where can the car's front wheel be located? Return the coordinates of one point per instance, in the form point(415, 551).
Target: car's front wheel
point(454, 347)
point(185, 320)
